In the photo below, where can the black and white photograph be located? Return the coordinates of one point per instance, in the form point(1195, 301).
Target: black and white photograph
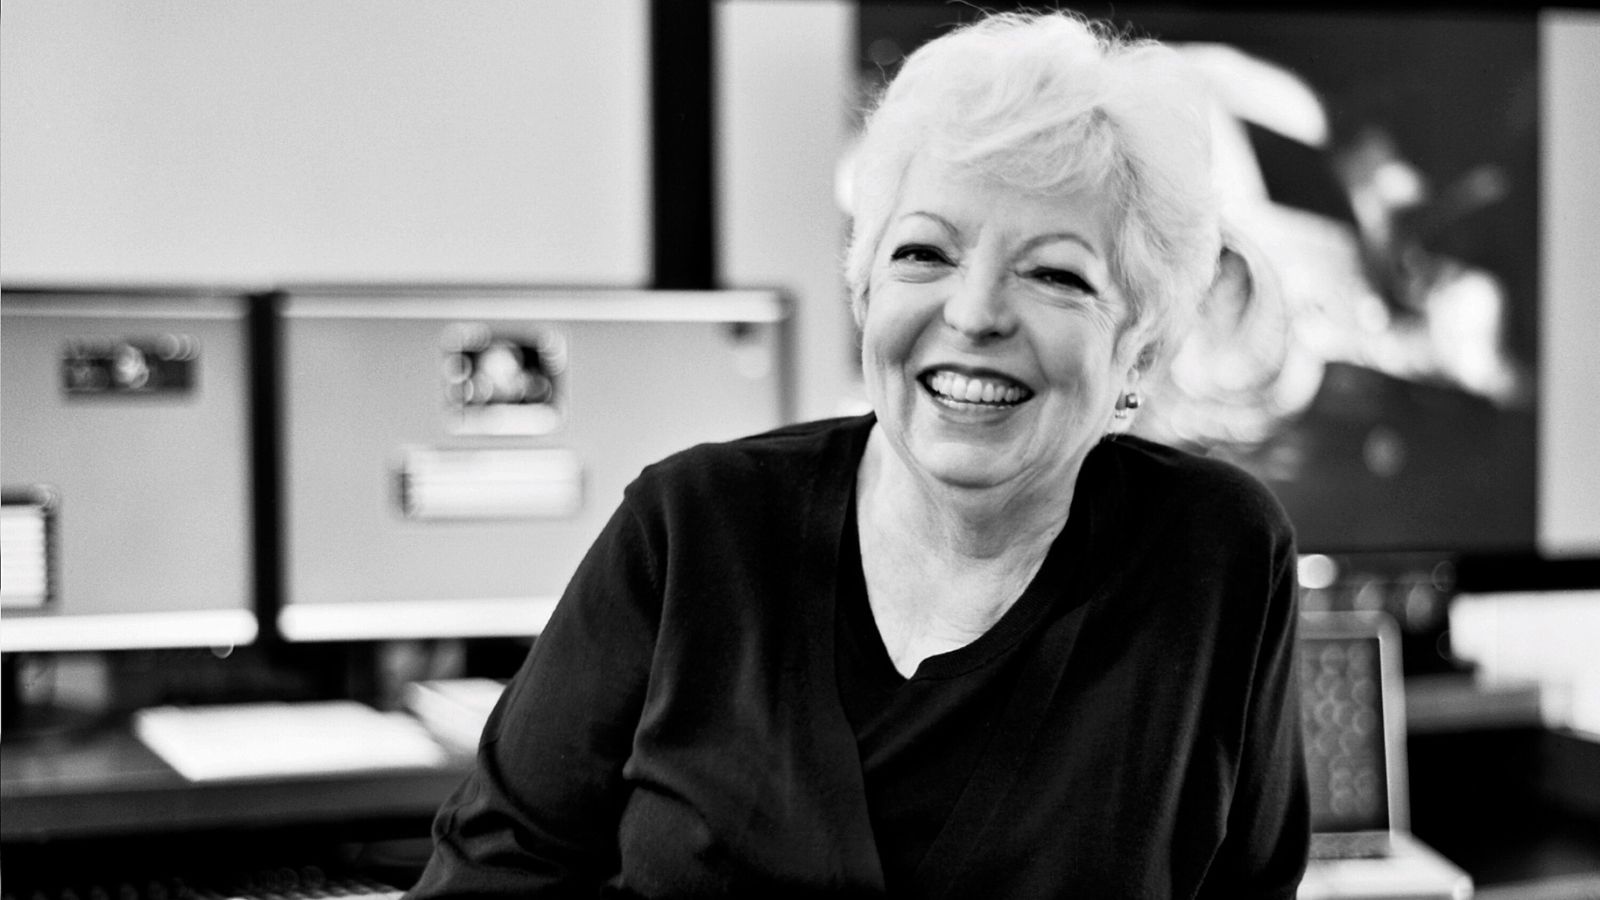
point(512, 449)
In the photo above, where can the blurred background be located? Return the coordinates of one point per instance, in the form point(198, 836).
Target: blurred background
point(332, 332)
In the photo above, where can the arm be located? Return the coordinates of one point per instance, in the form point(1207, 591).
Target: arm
point(1269, 831)
point(538, 815)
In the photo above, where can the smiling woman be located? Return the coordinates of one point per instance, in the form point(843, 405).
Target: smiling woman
point(965, 645)
point(993, 363)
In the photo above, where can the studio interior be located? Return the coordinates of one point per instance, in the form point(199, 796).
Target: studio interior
point(334, 332)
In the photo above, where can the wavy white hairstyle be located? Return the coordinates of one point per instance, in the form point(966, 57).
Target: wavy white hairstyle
point(1053, 102)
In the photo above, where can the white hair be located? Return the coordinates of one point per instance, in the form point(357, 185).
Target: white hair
point(1052, 102)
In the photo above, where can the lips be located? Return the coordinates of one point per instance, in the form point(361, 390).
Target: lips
point(974, 388)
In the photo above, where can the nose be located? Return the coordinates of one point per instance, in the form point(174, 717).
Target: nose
point(979, 307)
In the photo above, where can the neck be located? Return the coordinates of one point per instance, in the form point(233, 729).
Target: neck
point(943, 563)
point(973, 524)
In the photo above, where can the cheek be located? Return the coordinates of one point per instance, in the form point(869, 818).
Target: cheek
point(1084, 362)
point(890, 326)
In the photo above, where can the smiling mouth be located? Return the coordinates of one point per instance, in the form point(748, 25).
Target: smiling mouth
point(974, 390)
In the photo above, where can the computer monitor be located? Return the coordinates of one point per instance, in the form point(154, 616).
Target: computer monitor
point(450, 454)
point(125, 455)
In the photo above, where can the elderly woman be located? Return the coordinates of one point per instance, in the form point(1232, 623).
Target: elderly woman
point(964, 646)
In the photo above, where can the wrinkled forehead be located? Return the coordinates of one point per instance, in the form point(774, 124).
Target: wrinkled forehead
point(973, 199)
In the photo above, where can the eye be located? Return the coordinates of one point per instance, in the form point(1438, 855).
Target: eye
point(924, 254)
point(1062, 278)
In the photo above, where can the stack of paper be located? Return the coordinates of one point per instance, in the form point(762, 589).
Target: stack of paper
point(454, 710)
point(264, 740)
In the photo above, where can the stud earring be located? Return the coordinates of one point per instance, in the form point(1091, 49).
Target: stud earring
point(1126, 404)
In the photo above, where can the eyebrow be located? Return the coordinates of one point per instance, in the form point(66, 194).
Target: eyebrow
point(1029, 244)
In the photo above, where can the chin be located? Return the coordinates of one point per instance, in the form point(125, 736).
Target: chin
point(964, 467)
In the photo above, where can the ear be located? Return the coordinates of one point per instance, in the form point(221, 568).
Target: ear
point(1234, 290)
point(858, 308)
point(1234, 349)
point(1139, 349)
point(1145, 358)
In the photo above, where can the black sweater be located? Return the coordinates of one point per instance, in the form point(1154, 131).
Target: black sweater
point(678, 729)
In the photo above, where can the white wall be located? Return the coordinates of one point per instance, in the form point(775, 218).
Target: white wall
point(785, 89)
point(248, 141)
point(1569, 418)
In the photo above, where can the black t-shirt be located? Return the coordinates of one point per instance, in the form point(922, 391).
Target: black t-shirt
point(921, 737)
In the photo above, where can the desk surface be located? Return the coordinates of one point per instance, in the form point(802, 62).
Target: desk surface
point(108, 783)
point(1414, 872)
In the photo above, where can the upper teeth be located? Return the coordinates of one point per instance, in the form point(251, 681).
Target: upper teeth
point(974, 390)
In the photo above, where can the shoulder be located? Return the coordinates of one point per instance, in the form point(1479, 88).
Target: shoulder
point(789, 459)
point(748, 510)
point(1227, 576)
point(1168, 481)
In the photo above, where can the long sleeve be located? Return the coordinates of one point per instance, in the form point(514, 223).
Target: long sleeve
point(676, 730)
point(1263, 854)
point(538, 816)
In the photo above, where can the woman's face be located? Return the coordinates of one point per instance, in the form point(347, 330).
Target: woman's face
point(990, 335)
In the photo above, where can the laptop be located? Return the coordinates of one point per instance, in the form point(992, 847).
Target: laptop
point(1352, 713)
point(1352, 718)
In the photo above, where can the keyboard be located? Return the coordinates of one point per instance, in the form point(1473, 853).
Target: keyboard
point(1351, 845)
point(280, 883)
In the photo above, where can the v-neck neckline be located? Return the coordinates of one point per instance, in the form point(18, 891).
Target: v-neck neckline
point(830, 511)
point(1013, 626)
